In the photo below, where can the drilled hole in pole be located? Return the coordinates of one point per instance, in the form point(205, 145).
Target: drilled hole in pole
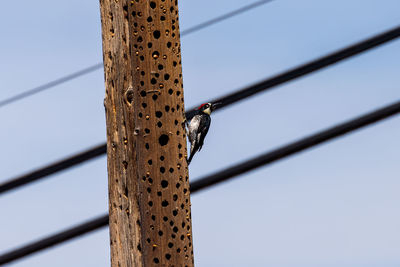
point(163, 139)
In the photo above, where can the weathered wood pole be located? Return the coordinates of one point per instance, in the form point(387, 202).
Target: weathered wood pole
point(149, 201)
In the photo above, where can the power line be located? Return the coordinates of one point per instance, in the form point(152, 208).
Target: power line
point(55, 239)
point(224, 175)
point(269, 83)
point(53, 168)
point(297, 146)
point(309, 67)
point(51, 84)
point(224, 17)
point(97, 66)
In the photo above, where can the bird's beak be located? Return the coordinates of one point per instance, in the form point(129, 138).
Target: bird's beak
point(214, 106)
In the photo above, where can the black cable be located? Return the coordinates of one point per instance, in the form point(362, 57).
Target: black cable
point(277, 80)
point(297, 146)
point(224, 17)
point(50, 84)
point(52, 240)
point(307, 68)
point(227, 173)
point(100, 65)
point(53, 168)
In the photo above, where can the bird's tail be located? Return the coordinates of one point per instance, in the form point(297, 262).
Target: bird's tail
point(190, 158)
point(192, 152)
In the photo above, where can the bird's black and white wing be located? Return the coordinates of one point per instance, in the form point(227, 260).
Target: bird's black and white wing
point(192, 127)
point(204, 126)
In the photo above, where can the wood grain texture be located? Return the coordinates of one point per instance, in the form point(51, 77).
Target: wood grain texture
point(149, 200)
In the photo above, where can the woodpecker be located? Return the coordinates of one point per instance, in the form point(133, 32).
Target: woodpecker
point(198, 127)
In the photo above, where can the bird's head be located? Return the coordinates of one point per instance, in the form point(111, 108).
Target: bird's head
point(207, 108)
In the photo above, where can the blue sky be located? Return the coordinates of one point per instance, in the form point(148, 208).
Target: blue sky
point(333, 205)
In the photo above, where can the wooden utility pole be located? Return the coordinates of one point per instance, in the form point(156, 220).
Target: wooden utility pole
point(149, 201)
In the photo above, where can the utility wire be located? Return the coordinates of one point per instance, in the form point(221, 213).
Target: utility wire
point(307, 68)
point(224, 17)
point(218, 177)
point(99, 65)
point(51, 84)
point(236, 96)
point(297, 146)
point(54, 168)
point(55, 239)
